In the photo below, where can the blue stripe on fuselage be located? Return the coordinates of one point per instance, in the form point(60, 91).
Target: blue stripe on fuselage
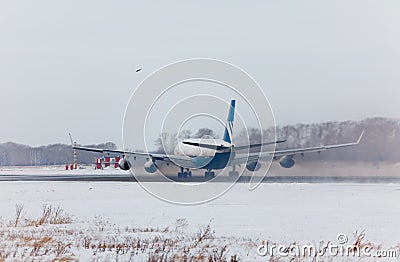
point(229, 123)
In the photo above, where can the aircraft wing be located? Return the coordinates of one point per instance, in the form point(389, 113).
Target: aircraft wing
point(174, 159)
point(251, 157)
point(258, 145)
point(153, 156)
point(106, 151)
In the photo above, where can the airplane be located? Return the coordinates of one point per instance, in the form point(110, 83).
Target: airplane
point(214, 154)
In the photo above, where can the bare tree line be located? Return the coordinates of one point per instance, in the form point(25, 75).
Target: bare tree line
point(381, 142)
point(12, 154)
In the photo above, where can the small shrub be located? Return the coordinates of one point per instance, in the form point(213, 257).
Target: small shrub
point(19, 208)
point(53, 215)
point(204, 233)
point(181, 224)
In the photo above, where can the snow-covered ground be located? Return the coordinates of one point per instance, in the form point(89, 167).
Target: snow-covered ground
point(279, 213)
point(302, 168)
point(57, 170)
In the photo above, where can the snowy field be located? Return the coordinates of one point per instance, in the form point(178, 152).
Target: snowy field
point(57, 170)
point(278, 213)
point(302, 168)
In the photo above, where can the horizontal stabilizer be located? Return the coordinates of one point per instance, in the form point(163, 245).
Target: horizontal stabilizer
point(210, 146)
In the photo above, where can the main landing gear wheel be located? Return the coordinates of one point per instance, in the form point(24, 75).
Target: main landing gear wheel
point(209, 174)
point(233, 174)
point(185, 174)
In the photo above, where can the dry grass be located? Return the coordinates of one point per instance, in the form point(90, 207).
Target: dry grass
point(18, 213)
point(55, 236)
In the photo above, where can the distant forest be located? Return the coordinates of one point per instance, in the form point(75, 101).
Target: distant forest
point(12, 154)
point(381, 142)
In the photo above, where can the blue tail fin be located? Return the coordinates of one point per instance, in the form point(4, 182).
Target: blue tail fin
point(229, 123)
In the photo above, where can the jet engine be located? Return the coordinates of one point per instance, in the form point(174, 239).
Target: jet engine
point(124, 164)
point(286, 161)
point(253, 166)
point(150, 166)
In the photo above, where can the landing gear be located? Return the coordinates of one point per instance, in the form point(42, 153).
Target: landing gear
point(209, 174)
point(185, 174)
point(234, 173)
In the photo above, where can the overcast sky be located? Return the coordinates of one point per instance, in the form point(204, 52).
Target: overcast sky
point(69, 66)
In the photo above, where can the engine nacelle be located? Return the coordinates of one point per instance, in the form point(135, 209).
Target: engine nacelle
point(253, 166)
point(124, 164)
point(150, 166)
point(286, 161)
